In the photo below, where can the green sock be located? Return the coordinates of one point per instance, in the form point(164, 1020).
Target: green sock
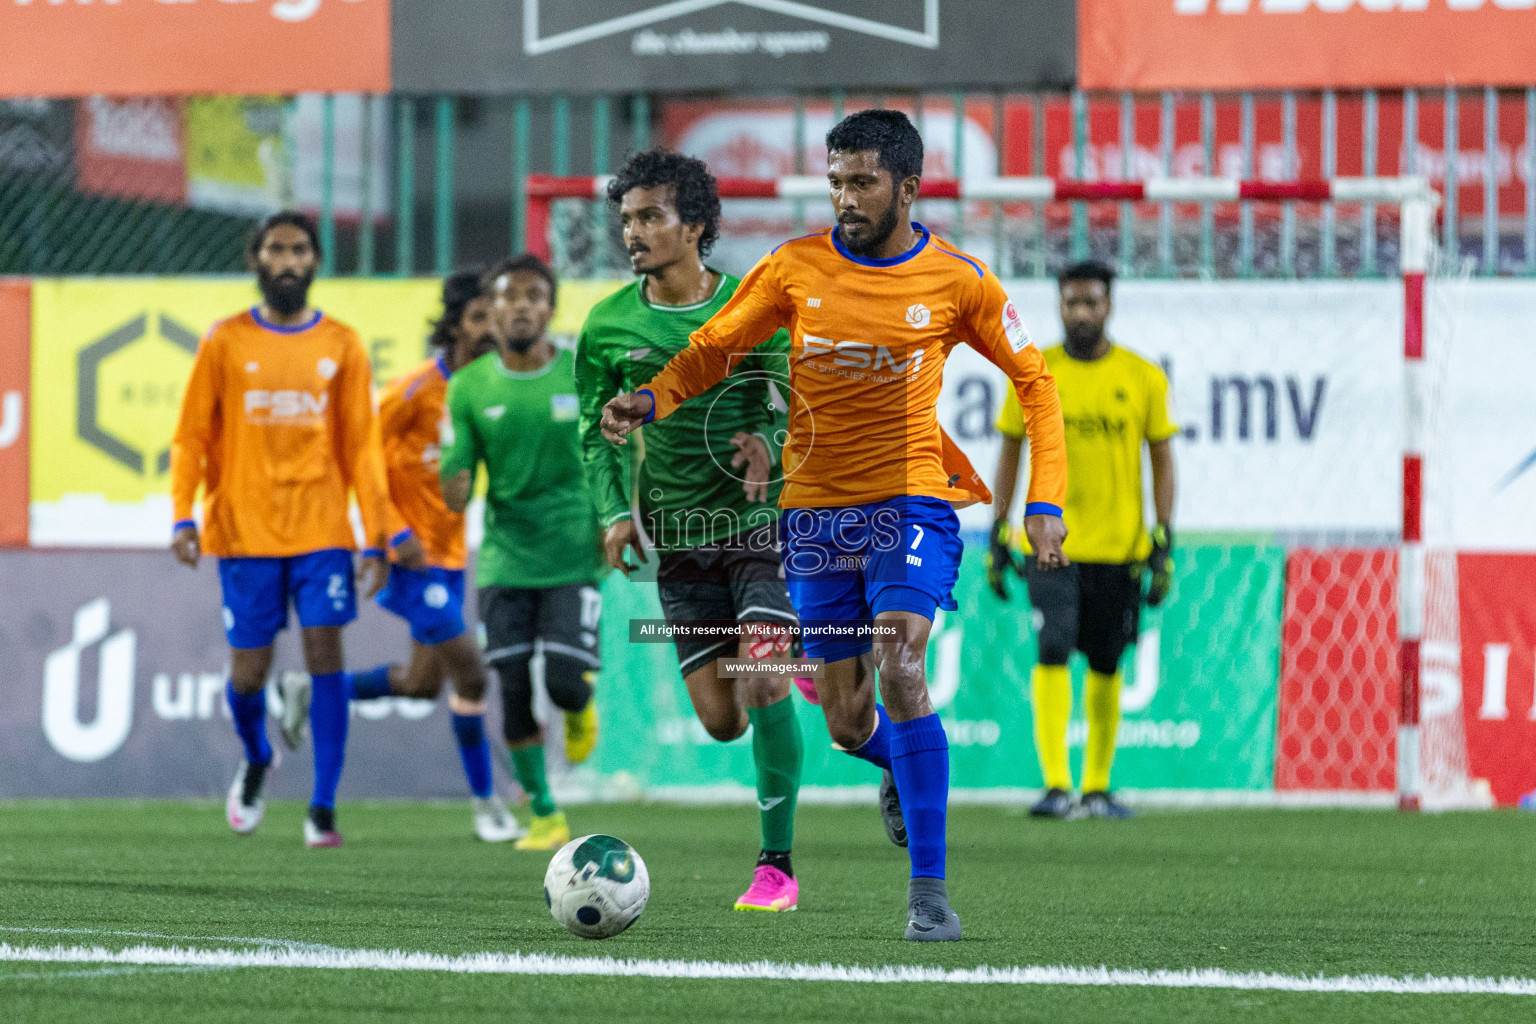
point(777, 750)
point(528, 766)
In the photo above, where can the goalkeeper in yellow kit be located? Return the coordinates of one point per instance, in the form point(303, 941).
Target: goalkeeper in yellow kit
point(1112, 401)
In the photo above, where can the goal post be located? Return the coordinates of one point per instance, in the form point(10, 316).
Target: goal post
point(1417, 203)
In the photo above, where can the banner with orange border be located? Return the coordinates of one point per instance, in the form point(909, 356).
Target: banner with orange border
point(152, 47)
point(1303, 44)
point(15, 400)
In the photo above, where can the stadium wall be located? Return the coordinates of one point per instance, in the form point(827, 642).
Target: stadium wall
point(1269, 671)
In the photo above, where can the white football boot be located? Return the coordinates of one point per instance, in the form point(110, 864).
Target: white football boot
point(243, 817)
point(293, 690)
point(494, 823)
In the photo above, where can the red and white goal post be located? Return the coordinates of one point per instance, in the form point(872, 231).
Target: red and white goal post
point(1417, 203)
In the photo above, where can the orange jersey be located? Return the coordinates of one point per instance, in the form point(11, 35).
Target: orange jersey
point(868, 344)
point(411, 410)
point(275, 425)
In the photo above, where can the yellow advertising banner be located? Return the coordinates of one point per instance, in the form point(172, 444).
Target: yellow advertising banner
point(109, 360)
point(110, 357)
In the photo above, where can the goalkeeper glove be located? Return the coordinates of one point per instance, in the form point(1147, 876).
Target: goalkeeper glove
point(1160, 562)
point(999, 558)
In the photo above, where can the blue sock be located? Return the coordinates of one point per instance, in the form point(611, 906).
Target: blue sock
point(475, 752)
point(328, 713)
point(368, 685)
point(250, 713)
point(920, 762)
point(877, 749)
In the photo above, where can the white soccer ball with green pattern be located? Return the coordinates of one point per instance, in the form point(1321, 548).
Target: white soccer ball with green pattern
point(596, 886)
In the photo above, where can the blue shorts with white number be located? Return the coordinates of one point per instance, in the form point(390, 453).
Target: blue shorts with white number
point(430, 599)
point(258, 591)
point(852, 563)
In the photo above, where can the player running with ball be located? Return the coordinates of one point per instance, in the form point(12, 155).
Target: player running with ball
point(704, 484)
point(873, 307)
point(275, 424)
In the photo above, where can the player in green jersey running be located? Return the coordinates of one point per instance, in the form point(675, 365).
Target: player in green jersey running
point(515, 411)
point(707, 485)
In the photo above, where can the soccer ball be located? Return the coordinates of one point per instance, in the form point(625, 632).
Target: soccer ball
point(596, 886)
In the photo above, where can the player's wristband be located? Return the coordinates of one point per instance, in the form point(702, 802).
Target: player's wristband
point(1042, 508)
point(401, 537)
point(652, 414)
point(373, 553)
point(184, 524)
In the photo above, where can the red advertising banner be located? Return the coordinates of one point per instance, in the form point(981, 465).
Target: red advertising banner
point(132, 148)
point(1498, 669)
point(15, 409)
point(151, 47)
point(1303, 44)
point(1339, 673)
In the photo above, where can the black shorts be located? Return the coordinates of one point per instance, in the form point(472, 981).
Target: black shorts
point(1089, 607)
point(740, 579)
point(567, 619)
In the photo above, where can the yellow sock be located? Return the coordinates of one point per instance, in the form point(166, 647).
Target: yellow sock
point(1101, 697)
point(1051, 692)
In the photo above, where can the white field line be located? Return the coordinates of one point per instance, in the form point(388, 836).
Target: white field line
point(238, 939)
point(545, 964)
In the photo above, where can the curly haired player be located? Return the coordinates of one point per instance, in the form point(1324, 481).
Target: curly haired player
point(706, 486)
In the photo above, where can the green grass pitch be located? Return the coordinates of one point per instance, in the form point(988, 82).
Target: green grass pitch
point(1299, 893)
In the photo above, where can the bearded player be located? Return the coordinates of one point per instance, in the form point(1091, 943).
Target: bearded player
point(515, 412)
point(873, 307)
point(427, 549)
point(275, 425)
point(1113, 402)
point(702, 486)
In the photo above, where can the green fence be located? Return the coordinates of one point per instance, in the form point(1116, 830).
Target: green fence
point(421, 184)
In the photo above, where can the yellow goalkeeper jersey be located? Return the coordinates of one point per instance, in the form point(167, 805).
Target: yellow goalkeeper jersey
point(1110, 406)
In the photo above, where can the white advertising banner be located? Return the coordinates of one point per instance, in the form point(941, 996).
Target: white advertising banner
point(1481, 453)
point(1289, 395)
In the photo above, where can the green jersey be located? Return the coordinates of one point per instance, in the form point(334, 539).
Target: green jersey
point(540, 526)
point(687, 491)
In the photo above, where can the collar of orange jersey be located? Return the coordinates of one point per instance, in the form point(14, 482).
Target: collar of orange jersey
point(442, 367)
point(865, 261)
point(263, 322)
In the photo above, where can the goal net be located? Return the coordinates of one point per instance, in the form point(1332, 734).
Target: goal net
point(1310, 648)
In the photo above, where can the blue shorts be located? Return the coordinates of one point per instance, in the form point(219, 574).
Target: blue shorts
point(257, 592)
point(430, 599)
point(852, 563)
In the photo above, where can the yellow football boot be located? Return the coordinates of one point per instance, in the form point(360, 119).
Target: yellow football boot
point(546, 832)
point(580, 733)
